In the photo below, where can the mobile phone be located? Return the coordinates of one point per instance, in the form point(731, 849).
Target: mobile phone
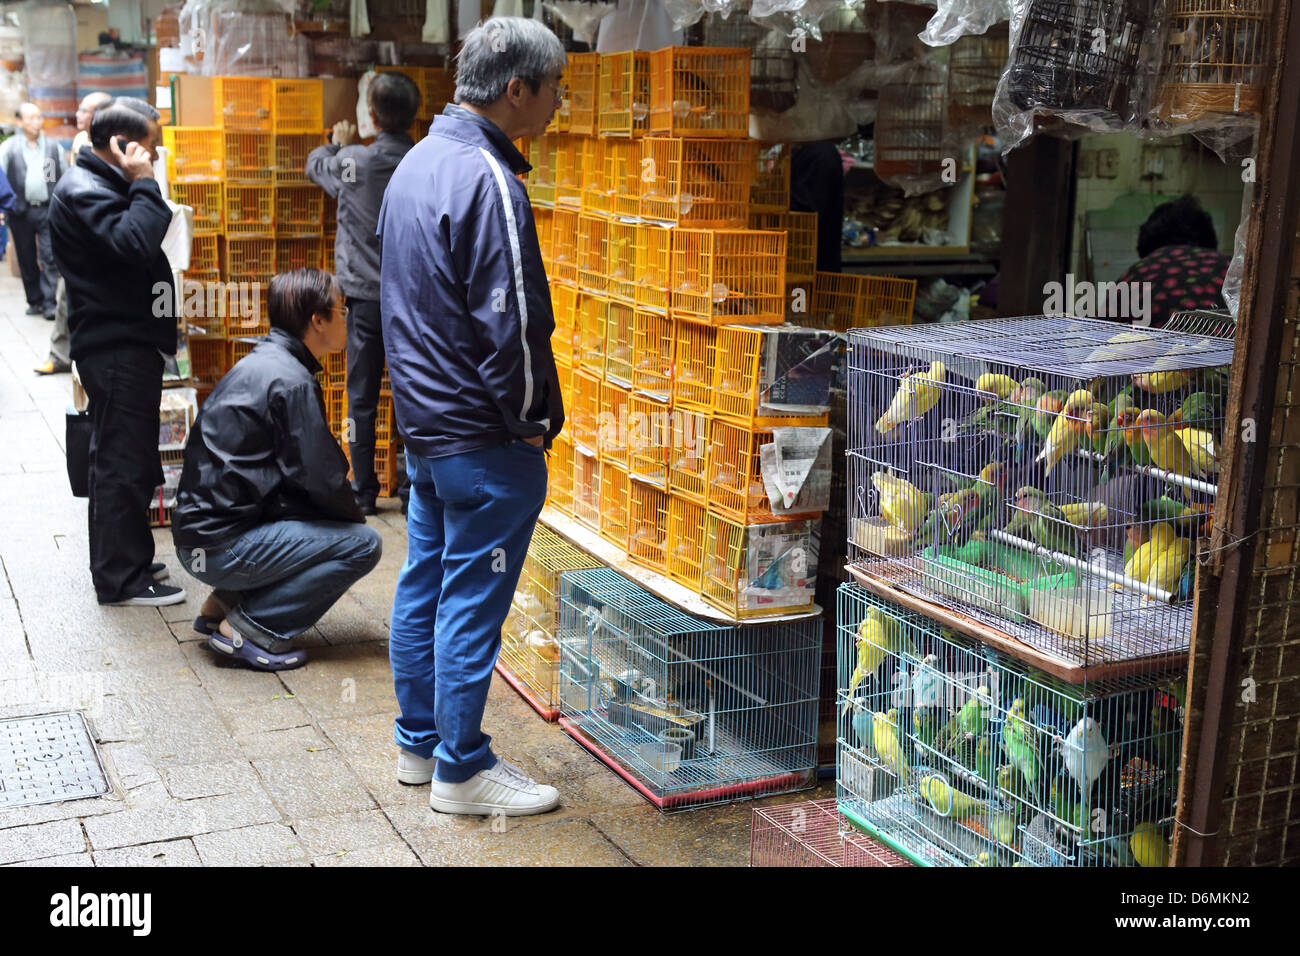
point(123, 143)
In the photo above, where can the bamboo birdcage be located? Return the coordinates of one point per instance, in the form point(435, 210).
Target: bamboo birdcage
point(1214, 59)
point(912, 123)
point(974, 67)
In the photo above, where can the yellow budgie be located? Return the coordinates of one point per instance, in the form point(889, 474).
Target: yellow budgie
point(1069, 430)
point(884, 741)
point(1149, 845)
point(1139, 566)
point(901, 503)
point(1167, 564)
point(1204, 452)
point(873, 642)
point(916, 395)
point(1167, 450)
point(946, 800)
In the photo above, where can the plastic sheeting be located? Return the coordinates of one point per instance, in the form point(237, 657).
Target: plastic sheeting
point(582, 18)
point(1232, 278)
point(50, 52)
point(252, 38)
point(954, 19)
point(637, 25)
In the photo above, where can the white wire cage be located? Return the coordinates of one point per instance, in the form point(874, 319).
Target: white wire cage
point(1047, 478)
point(688, 711)
point(813, 833)
point(958, 755)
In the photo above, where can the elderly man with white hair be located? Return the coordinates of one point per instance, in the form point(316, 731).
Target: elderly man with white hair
point(467, 326)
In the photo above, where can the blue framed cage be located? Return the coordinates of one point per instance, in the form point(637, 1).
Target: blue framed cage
point(688, 711)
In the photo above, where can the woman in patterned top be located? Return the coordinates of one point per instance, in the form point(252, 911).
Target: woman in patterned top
point(1180, 260)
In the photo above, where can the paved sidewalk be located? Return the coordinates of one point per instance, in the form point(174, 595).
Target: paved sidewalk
point(217, 765)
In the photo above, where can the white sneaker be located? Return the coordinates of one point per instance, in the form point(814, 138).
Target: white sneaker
point(503, 789)
point(413, 769)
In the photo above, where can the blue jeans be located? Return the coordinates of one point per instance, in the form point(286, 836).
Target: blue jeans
point(470, 520)
point(279, 579)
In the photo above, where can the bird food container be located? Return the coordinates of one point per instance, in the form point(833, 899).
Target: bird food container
point(1082, 452)
point(959, 755)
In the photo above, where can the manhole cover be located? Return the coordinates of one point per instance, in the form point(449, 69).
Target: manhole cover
point(48, 759)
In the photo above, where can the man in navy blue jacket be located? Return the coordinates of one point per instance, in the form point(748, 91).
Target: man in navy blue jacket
point(467, 325)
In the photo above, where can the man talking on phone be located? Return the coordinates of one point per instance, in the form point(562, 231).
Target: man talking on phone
point(107, 223)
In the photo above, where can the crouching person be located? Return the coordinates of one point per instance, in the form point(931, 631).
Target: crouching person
point(265, 514)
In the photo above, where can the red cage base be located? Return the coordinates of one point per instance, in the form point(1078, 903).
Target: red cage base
point(547, 713)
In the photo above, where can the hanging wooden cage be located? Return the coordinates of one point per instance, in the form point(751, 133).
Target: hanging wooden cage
point(911, 123)
point(1213, 59)
point(974, 67)
point(1078, 54)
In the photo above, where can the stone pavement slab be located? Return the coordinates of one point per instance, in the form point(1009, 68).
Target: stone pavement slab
point(249, 846)
point(170, 853)
point(41, 840)
point(312, 784)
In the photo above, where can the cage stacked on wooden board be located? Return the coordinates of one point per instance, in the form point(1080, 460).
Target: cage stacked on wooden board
point(675, 265)
point(688, 711)
point(1043, 480)
point(530, 653)
point(958, 755)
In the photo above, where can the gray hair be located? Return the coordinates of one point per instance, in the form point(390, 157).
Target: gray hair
point(498, 50)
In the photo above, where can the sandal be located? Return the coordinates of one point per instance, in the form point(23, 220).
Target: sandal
point(255, 657)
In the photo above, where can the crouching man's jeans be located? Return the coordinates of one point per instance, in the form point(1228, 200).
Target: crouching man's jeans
point(277, 580)
point(470, 520)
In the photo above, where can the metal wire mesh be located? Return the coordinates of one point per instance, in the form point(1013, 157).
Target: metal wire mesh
point(691, 712)
point(813, 833)
point(960, 755)
point(1047, 477)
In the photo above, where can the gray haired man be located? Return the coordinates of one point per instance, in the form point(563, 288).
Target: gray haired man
point(467, 328)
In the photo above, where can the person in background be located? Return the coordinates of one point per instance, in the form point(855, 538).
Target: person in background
point(33, 165)
point(817, 185)
point(59, 360)
point(264, 513)
point(467, 328)
point(1180, 259)
point(107, 223)
point(357, 177)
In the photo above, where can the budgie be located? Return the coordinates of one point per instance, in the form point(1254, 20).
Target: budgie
point(926, 683)
point(948, 801)
point(1202, 449)
point(969, 721)
point(1167, 450)
point(1085, 753)
point(917, 394)
point(902, 504)
point(1138, 567)
point(884, 741)
point(1070, 429)
point(1020, 744)
point(1149, 845)
point(872, 646)
point(1167, 564)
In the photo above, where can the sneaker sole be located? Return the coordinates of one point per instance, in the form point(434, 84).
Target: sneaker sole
point(150, 602)
point(415, 778)
point(487, 809)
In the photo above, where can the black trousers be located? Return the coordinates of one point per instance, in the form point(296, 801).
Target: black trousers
point(365, 375)
point(31, 231)
point(124, 385)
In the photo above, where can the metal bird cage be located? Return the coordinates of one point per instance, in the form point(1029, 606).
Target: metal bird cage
point(687, 711)
point(529, 659)
point(1214, 59)
point(1219, 324)
point(772, 83)
point(912, 123)
point(1044, 481)
point(958, 755)
point(1077, 54)
point(813, 833)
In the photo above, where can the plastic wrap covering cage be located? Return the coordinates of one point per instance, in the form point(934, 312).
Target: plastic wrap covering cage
point(958, 755)
point(50, 57)
point(813, 833)
point(530, 656)
point(1087, 62)
point(1214, 59)
point(1045, 479)
point(912, 139)
point(689, 712)
point(975, 65)
point(252, 38)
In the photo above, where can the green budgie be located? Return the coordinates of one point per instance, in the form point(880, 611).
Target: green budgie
point(970, 721)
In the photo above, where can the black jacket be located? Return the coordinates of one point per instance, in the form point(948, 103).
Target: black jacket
point(261, 451)
point(107, 236)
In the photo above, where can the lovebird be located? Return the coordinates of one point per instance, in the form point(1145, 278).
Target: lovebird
point(948, 801)
point(1085, 753)
point(872, 646)
point(1000, 385)
point(917, 394)
point(1047, 410)
point(969, 721)
point(1138, 567)
point(1024, 401)
point(1159, 383)
point(1167, 564)
point(1198, 410)
point(1041, 521)
point(1069, 430)
point(1167, 450)
point(902, 504)
point(1149, 845)
point(1201, 447)
point(1019, 743)
point(884, 741)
